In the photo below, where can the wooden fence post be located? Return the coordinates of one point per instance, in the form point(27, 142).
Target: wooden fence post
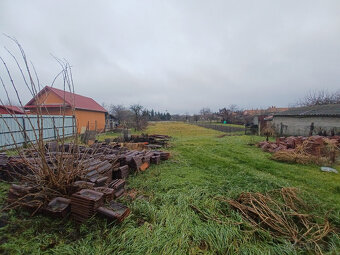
point(54, 129)
point(24, 130)
point(74, 124)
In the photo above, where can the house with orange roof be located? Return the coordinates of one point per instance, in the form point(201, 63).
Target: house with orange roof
point(51, 101)
point(268, 111)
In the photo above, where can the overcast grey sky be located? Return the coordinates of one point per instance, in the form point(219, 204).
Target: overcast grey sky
point(182, 55)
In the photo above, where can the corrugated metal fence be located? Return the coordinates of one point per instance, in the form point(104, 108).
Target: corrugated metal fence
point(23, 129)
point(227, 129)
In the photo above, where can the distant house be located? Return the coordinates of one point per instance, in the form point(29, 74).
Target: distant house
point(269, 111)
point(10, 109)
point(88, 113)
point(305, 121)
point(259, 118)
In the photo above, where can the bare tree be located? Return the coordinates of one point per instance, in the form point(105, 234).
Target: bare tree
point(139, 121)
point(232, 114)
point(206, 114)
point(227, 113)
point(121, 113)
point(321, 97)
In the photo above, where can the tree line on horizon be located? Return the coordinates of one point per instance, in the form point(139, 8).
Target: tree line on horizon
point(136, 116)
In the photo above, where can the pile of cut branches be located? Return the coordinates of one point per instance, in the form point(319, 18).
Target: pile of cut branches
point(304, 150)
point(283, 213)
point(291, 156)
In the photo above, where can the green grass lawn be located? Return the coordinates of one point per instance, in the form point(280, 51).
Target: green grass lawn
point(202, 168)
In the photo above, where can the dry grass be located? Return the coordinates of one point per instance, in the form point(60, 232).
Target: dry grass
point(292, 156)
point(283, 213)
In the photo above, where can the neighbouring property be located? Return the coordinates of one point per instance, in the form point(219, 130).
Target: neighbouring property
point(306, 121)
point(10, 109)
point(257, 119)
point(269, 111)
point(88, 113)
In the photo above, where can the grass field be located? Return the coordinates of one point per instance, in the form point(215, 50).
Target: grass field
point(202, 168)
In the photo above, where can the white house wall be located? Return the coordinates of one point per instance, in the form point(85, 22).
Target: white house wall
point(301, 126)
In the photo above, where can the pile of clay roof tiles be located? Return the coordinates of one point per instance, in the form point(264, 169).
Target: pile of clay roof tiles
point(314, 144)
point(151, 141)
point(105, 166)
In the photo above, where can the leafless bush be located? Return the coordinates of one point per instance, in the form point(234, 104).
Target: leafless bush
point(206, 114)
point(321, 97)
point(140, 120)
point(50, 173)
point(232, 114)
point(122, 115)
point(268, 131)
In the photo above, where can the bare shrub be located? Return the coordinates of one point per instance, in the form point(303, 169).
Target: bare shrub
point(321, 97)
point(50, 173)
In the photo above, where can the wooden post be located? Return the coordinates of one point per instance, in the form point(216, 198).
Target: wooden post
point(24, 130)
point(54, 129)
point(74, 124)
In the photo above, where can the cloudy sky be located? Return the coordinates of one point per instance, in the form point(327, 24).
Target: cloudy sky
point(181, 55)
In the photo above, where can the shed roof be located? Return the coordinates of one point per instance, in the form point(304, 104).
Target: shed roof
point(12, 108)
point(71, 99)
point(332, 110)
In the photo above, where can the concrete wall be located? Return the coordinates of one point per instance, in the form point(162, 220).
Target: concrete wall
point(301, 126)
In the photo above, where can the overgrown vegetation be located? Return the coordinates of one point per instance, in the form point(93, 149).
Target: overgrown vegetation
point(47, 174)
point(203, 169)
point(136, 116)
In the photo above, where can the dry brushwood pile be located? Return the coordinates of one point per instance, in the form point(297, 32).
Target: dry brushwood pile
point(67, 178)
point(303, 150)
point(284, 214)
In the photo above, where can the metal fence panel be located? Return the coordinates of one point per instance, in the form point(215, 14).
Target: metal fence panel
point(23, 129)
point(227, 129)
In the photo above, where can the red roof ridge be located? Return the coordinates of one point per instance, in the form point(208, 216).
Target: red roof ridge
point(13, 108)
point(80, 102)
